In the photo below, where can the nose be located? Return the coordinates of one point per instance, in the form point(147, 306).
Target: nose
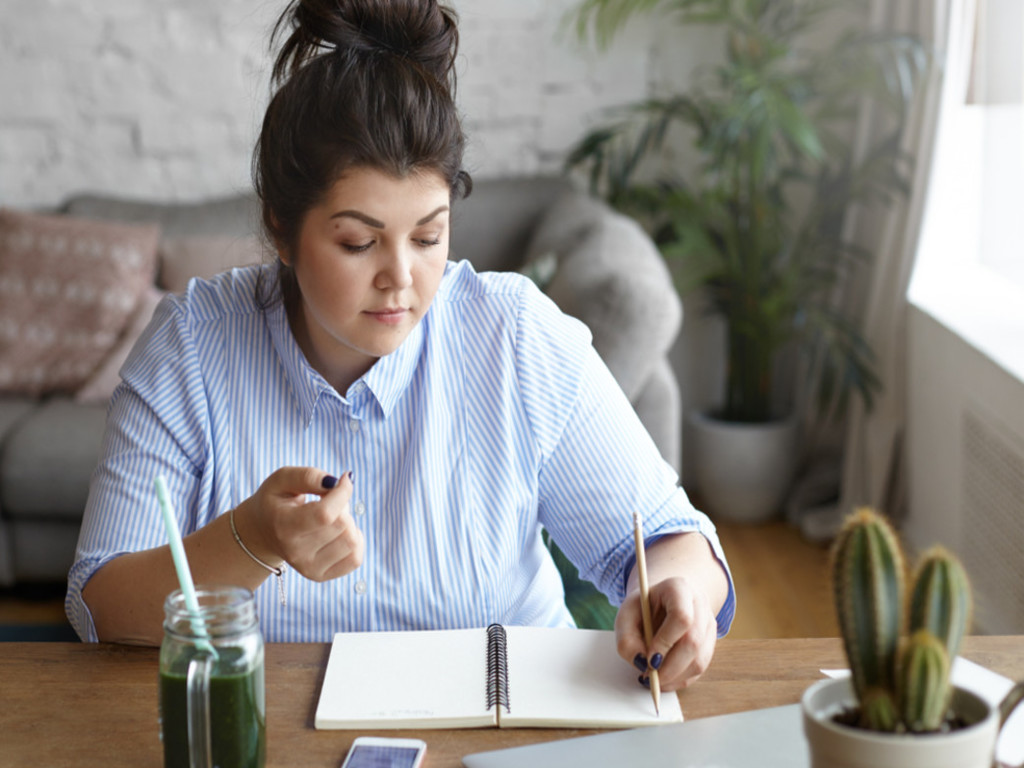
point(395, 269)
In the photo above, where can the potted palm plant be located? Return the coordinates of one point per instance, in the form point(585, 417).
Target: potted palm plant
point(898, 709)
point(758, 223)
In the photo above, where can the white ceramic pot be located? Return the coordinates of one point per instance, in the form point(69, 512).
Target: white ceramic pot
point(742, 471)
point(840, 746)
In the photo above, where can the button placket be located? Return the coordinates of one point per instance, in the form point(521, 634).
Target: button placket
point(355, 426)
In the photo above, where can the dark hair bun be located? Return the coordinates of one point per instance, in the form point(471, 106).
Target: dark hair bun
point(421, 31)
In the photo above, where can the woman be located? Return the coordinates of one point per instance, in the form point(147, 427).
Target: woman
point(391, 429)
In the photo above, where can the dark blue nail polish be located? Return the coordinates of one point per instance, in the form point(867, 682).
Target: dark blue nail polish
point(640, 662)
point(351, 477)
point(644, 681)
point(656, 660)
point(329, 481)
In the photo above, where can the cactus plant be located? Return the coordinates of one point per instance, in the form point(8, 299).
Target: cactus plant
point(901, 684)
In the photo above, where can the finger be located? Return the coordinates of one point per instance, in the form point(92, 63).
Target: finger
point(629, 636)
point(675, 615)
point(330, 541)
point(327, 512)
point(300, 481)
point(302, 526)
point(336, 555)
point(701, 659)
point(348, 563)
point(691, 654)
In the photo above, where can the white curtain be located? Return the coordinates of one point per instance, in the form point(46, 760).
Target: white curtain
point(871, 468)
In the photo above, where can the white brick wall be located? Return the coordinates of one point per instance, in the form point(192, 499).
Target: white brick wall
point(163, 98)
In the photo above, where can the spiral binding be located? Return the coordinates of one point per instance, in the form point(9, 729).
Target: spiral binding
point(497, 667)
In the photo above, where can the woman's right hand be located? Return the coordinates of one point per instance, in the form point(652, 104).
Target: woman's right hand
point(319, 538)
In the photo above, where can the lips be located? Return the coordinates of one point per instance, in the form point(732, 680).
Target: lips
point(388, 315)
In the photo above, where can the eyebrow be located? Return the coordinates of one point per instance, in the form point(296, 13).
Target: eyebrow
point(377, 224)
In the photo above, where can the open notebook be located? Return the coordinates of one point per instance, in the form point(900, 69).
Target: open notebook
point(507, 677)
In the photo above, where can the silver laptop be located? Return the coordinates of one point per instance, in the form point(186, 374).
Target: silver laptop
point(761, 738)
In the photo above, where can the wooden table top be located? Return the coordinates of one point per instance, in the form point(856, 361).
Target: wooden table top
point(96, 705)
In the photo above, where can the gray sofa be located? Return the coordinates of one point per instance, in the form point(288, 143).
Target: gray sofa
point(596, 264)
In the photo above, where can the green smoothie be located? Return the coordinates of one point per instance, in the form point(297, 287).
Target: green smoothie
point(237, 720)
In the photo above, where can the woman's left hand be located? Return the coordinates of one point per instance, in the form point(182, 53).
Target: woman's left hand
point(684, 631)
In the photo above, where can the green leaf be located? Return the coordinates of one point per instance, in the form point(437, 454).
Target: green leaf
point(588, 606)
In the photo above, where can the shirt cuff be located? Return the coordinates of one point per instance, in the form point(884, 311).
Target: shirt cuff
point(77, 611)
point(728, 610)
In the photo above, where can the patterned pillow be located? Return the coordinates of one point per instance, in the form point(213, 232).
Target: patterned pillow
point(68, 287)
point(101, 384)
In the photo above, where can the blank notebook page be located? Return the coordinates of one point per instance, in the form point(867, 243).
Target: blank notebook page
point(575, 678)
point(373, 681)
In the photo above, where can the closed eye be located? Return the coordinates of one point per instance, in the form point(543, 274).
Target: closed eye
point(353, 248)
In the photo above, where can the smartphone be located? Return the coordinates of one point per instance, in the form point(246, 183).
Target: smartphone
point(382, 752)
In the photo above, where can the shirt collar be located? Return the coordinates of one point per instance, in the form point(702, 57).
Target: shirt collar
point(306, 384)
point(387, 380)
point(391, 375)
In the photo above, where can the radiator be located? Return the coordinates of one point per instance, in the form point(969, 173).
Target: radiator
point(993, 519)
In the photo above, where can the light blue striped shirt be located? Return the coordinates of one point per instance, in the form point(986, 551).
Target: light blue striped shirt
point(494, 418)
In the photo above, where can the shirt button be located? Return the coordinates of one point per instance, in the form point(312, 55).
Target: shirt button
point(360, 508)
point(360, 587)
point(353, 425)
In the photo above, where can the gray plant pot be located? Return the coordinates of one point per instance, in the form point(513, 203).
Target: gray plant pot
point(742, 471)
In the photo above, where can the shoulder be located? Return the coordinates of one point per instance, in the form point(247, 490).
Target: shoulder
point(510, 298)
point(229, 294)
point(184, 323)
point(462, 283)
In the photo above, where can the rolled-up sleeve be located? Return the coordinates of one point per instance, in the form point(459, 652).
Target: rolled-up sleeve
point(156, 425)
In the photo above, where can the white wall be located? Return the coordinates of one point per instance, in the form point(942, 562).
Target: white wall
point(163, 98)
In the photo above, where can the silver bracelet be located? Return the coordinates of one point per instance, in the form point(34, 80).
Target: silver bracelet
point(279, 572)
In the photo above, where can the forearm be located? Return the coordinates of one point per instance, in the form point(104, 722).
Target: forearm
point(126, 596)
point(686, 555)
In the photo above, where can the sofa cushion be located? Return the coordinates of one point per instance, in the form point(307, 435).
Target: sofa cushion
point(564, 223)
point(67, 289)
point(47, 461)
point(491, 228)
point(237, 215)
point(630, 304)
point(12, 411)
point(185, 257)
point(42, 551)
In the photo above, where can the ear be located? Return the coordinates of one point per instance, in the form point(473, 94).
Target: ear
point(277, 242)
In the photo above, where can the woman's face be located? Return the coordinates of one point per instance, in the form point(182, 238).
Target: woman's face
point(368, 262)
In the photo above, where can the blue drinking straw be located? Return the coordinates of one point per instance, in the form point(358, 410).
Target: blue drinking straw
point(188, 589)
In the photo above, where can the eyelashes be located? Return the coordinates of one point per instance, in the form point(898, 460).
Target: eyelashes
point(363, 247)
point(355, 248)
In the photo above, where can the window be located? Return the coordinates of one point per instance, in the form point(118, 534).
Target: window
point(969, 270)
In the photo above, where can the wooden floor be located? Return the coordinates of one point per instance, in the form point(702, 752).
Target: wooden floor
point(781, 586)
point(782, 582)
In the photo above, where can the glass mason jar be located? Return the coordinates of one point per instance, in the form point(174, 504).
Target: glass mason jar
point(212, 705)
